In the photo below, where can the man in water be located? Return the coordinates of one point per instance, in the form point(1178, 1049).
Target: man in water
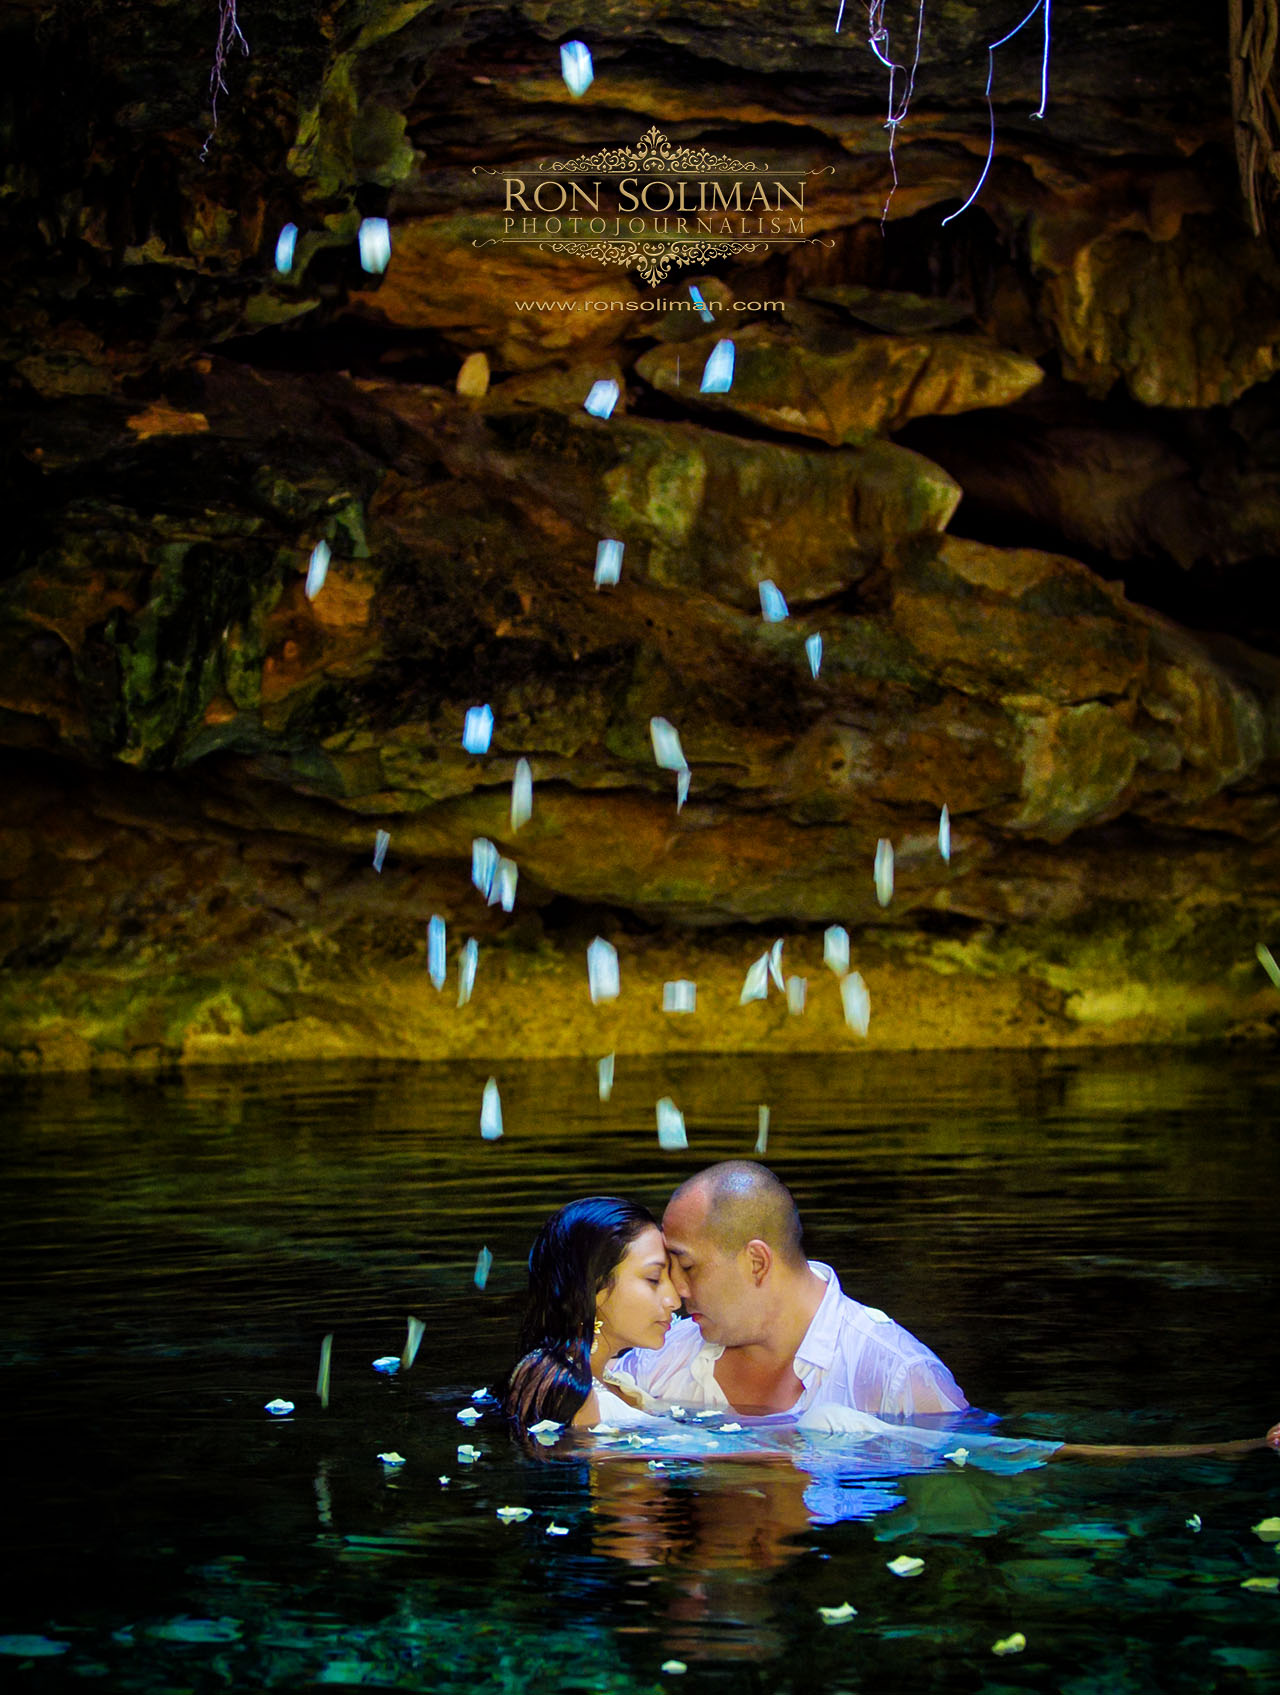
point(770, 1333)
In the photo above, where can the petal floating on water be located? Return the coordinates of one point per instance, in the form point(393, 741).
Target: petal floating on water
point(602, 971)
point(1010, 1644)
point(944, 835)
point(671, 1132)
point(473, 376)
point(477, 730)
point(1263, 1585)
point(505, 879)
point(381, 842)
point(717, 374)
point(468, 959)
point(521, 794)
point(437, 966)
point(470, 1415)
point(704, 311)
point(795, 995)
point(604, 1076)
point(884, 871)
point(576, 67)
point(762, 1134)
point(680, 996)
point(387, 1364)
point(1195, 1522)
point(286, 241)
point(673, 1668)
point(857, 1003)
point(468, 1455)
point(557, 1530)
point(392, 1460)
point(413, 1341)
point(374, 238)
point(958, 1457)
point(513, 1515)
point(491, 1112)
point(543, 1426)
point(813, 647)
point(835, 949)
point(322, 1374)
point(484, 865)
point(602, 398)
point(682, 787)
point(773, 605)
point(837, 1615)
point(756, 986)
point(906, 1565)
point(666, 745)
point(278, 1409)
point(484, 1265)
point(1267, 962)
point(775, 965)
point(608, 563)
point(317, 569)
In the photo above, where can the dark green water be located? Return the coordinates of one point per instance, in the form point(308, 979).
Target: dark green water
point(1089, 1244)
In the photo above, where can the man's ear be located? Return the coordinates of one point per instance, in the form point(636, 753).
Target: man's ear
point(759, 1259)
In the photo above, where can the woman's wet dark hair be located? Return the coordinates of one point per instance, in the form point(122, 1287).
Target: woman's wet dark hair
point(575, 1256)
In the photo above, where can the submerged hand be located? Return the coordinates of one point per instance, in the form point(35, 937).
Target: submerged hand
point(1273, 1436)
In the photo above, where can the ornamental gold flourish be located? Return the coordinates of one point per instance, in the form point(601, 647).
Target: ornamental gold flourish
point(653, 154)
point(652, 259)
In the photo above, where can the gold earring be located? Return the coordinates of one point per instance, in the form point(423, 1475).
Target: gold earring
point(595, 1334)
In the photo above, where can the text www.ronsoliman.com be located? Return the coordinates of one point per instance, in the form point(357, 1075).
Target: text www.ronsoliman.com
point(646, 306)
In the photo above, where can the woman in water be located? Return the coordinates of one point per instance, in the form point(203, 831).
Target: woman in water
point(599, 1284)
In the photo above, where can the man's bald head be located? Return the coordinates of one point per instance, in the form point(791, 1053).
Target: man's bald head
point(738, 1202)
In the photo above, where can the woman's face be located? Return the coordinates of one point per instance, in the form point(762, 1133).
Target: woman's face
point(636, 1307)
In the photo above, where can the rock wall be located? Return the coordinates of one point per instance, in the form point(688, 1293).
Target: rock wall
point(1020, 472)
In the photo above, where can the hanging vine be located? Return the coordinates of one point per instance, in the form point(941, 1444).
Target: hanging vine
point(1254, 27)
point(229, 35)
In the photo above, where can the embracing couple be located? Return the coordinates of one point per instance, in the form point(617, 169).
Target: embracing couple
point(770, 1338)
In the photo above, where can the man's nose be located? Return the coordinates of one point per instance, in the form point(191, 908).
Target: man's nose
point(681, 1283)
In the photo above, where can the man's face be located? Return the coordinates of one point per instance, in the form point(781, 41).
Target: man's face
point(716, 1288)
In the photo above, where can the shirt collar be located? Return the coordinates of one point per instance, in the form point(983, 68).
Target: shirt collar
point(818, 1346)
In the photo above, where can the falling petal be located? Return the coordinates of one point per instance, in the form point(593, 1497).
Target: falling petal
point(392, 1460)
point(608, 563)
point(1010, 1644)
point(666, 745)
point(557, 1530)
point(413, 1341)
point(437, 968)
point(717, 375)
point(505, 879)
point(704, 311)
point(1268, 963)
point(387, 1364)
point(857, 1003)
point(680, 996)
point(484, 865)
point(477, 731)
point(756, 986)
point(795, 995)
point(1268, 1529)
point(773, 605)
point(576, 67)
point(837, 1615)
point(278, 1409)
point(775, 965)
point(884, 871)
point(835, 949)
point(958, 1457)
point(469, 1415)
point(468, 959)
point(467, 1454)
point(521, 794)
point(375, 245)
point(473, 377)
point(381, 842)
point(286, 241)
point(491, 1112)
point(484, 1265)
point(317, 569)
point(906, 1565)
point(513, 1515)
point(673, 1668)
point(602, 971)
point(682, 787)
point(944, 835)
point(322, 1375)
point(604, 1076)
point(1195, 1522)
point(602, 398)
point(671, 1134)
point(813, 647)
point(762, 1134)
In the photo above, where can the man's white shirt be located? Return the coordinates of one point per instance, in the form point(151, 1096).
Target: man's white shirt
point(852, 1356)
